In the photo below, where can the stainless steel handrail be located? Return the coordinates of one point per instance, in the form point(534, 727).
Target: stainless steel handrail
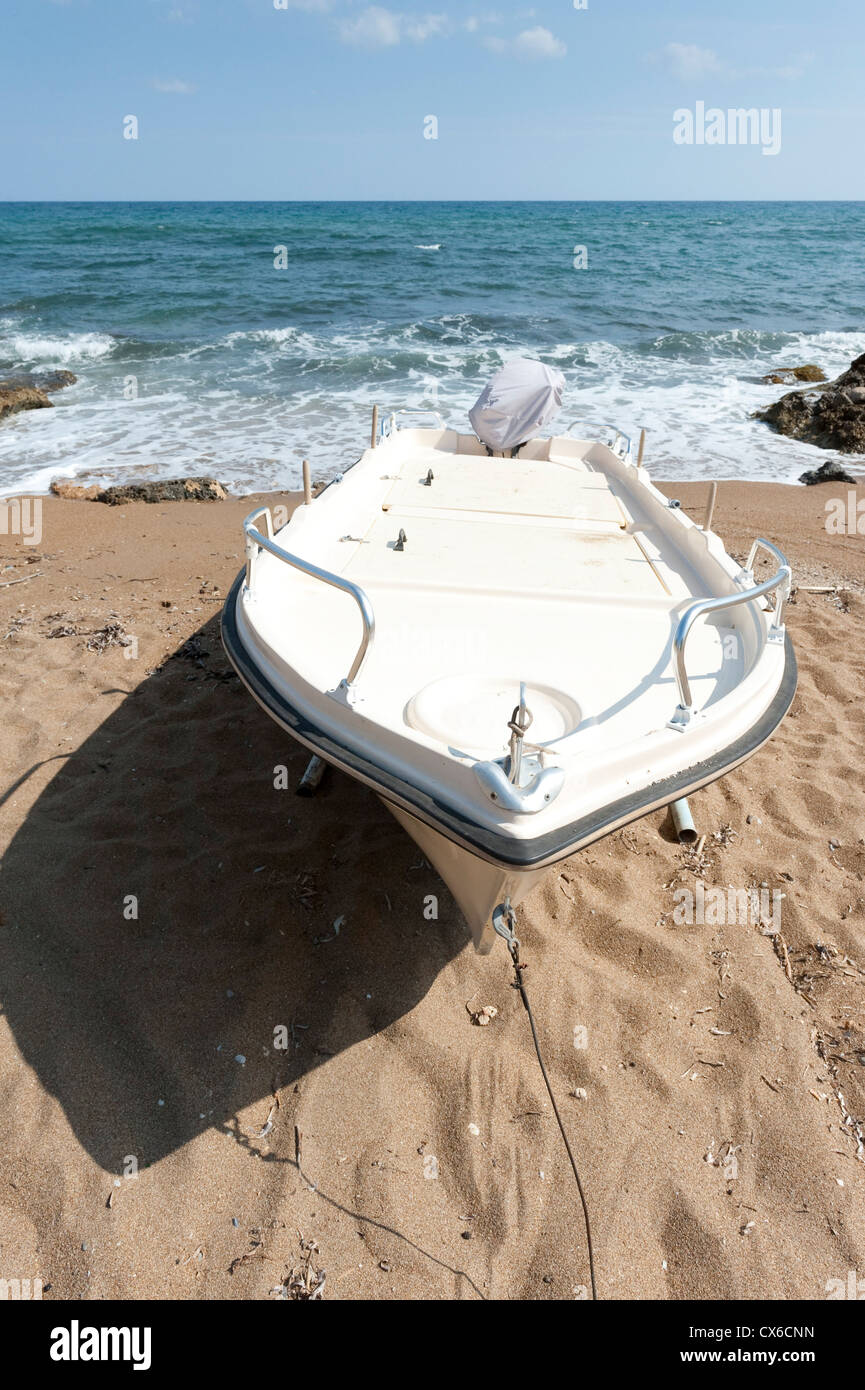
point(389, 423)
point(421, 410)
point(782, 582)
point(386, 425)
point(249, 521)
point(619, 434)
point(256, 542)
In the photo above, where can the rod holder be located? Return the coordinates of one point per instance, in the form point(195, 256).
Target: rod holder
point(307, 483)
point(374, 438)
point(641, 450)
point(710, 506)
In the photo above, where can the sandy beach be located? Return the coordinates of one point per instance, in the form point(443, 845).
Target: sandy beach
point(209, 1090)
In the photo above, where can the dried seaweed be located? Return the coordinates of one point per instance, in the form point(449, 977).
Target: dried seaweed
point(112, 635)
point(303, 1283)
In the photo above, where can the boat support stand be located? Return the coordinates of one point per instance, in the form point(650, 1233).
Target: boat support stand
point(312, 777)
point(683, 821)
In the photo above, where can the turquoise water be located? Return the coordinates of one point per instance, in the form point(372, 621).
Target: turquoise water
point(196, 353)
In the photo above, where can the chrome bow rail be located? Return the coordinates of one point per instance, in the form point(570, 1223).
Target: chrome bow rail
point(256, 542)
point(780, 583)
point(618, 436)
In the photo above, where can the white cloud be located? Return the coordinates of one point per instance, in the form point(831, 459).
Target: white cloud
point(173, 84)
point(539, 43)
point(688, 61)
point(788, 72)
point(175, 13)
point(377, 27)
point(431, 26)
point(474, 22)
point(531, 43)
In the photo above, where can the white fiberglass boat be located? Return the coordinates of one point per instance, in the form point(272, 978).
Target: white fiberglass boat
point(518, 654)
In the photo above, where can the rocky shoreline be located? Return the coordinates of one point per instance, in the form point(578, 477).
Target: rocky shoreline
point(830, 415)
point(160, 490)
point(30, 390)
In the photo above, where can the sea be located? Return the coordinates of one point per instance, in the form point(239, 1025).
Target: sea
point(237, 339)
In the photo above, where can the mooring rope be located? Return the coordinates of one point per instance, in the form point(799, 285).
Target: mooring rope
point(513, 945)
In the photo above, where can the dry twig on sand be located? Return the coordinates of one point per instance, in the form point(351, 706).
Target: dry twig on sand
point(7, 583)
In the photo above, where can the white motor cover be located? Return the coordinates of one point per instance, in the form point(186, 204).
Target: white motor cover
point(521, 398)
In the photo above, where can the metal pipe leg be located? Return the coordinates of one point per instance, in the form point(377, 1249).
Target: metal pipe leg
point(312, 778)
point(683, 822)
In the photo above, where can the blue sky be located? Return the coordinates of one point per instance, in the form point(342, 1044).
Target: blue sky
point(283, 99)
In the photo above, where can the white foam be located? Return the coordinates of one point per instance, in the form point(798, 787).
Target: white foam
point(25, 349)
point(263, 335)
point(290, 394)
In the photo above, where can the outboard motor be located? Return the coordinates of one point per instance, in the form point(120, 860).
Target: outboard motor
point(521, 398)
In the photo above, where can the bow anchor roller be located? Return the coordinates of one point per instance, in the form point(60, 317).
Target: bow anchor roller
point(519, 724)
point(521, 782)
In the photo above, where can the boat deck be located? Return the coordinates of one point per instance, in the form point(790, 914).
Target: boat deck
point(574, 532)
point(539, 570)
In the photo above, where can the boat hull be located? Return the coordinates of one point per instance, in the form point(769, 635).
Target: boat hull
point(477, 885)
point(479, 869)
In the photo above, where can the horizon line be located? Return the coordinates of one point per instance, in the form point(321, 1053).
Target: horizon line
point(16, 202)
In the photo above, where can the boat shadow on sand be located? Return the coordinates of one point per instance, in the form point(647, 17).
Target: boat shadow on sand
point(151, 1028)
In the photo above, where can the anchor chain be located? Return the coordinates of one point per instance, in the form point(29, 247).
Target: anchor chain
point(504, 922)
